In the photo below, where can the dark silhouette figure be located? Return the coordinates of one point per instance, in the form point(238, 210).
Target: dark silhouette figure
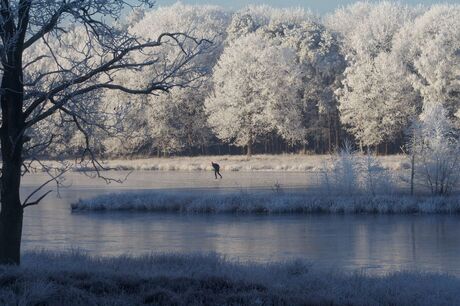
point(216, 169)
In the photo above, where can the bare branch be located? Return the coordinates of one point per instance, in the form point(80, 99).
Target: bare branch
point(36, 202)
point(52, 179)
point(48, 27)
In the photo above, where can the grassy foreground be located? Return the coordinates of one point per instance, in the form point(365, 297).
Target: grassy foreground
point(77, 279)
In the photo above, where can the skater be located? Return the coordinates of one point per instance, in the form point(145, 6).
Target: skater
point(216, 169)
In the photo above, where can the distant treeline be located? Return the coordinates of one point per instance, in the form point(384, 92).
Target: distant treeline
point(280, 80)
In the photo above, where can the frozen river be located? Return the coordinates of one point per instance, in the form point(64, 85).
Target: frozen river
point(371, 242)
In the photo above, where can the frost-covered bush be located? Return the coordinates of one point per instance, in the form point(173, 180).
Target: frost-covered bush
point(375, 178)
point(436, 149)
point(344, 174)
point(352, 173)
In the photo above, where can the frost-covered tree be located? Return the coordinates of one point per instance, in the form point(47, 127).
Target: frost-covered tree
point(130, 120)
point(58, 57)
point(254, 17)
point(367, 29)
point(376, 101)
point(255, 92)
point(175, 120)
point(429, 48)
point(316, 55)
point(39, 74)
point(321, 65)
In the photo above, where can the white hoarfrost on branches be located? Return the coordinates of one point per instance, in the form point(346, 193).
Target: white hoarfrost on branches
point(115, 116)
point(57, 59)
point(377, 101)
point(351, 173)
point(367, 70)
point(321, 65)
point(256, 91)
point(437, 150)
point(175, 120)
point(429, 47)
point(254, 17)
point(298, 103)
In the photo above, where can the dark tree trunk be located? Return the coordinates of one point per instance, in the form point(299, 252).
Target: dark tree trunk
point(10, 217)
point(11, 137)
point(249, 148)
point(412, 173)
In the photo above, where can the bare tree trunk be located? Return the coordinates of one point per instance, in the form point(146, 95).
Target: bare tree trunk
point(11, 137)
point(412, 174)
point(249, 148)
point(329, 134)
point(11, 214)
point(337, 139)
point(272, 144)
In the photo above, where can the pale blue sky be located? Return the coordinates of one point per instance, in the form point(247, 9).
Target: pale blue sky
point(318, 6)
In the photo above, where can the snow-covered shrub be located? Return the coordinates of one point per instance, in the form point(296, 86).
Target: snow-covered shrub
point(352, 173)
point(436, 150)
point(375, 178)
point(345, 172)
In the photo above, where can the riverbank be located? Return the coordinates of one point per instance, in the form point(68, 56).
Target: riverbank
point(267, 203)
point(285, 162)
point(76, 279)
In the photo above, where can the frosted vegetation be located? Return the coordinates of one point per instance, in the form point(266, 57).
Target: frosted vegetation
point(260, 162)
point(377, 76)
point(276, 80)
point(350, 173)
point(77, 279)
point(350, 182)
point(275, 203)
